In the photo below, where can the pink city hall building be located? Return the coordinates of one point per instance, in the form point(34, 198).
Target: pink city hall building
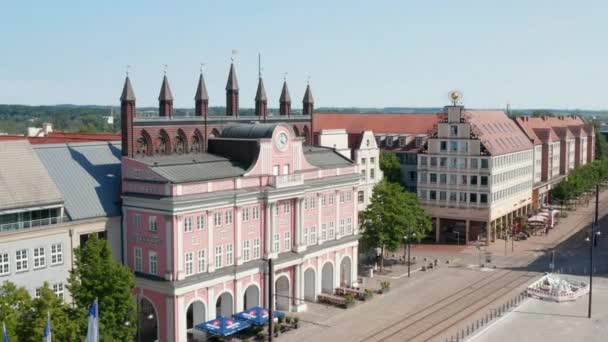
point(199, 227)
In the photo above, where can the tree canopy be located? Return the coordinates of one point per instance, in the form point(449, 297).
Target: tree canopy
point(390, 166)
point(96, 275)
point(392, 214)
point(582, 179)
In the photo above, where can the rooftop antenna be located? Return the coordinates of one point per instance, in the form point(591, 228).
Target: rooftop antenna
point(165, 66)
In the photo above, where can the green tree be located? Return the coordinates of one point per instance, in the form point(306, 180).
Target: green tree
point(389, 164)
point(33, 319)
point(541, 112)
point(13, 301)
point(601, 145)
point(391, 214)
point(96, 275)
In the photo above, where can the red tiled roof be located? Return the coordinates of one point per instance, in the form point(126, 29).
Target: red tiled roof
point(410, 123)
point(57, 137)
point(498, 134)
point(567, 127)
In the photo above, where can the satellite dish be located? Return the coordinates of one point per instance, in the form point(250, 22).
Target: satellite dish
point(455, 96)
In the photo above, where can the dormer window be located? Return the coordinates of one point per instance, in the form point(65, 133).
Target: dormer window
point(402, 142)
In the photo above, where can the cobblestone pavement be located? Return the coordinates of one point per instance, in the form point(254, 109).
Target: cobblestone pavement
point(432, 304)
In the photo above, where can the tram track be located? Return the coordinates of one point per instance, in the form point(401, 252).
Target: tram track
point(434, 319)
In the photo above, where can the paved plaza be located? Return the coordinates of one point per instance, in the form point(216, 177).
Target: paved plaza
point(431, 305)
point(538, 320)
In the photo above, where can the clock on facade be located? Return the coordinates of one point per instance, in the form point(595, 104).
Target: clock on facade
point(281, 141)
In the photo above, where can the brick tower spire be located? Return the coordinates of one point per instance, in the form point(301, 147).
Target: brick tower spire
point(165, 99)
point(285, 101)
point(201, 99)
point(307, 102)
point(232, 93)
point(127, 113)
point(261, 101)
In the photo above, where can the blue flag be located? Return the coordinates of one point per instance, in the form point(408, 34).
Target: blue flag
point(4, 333)
point(47, 330)
point(93, 330)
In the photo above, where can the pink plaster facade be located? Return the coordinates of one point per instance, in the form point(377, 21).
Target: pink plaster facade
point(189, 277)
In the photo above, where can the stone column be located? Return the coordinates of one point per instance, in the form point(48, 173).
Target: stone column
point(319, 218)
point(355, 212)
point(238, 301)
point(239, 251)
point(337, 224)
point(299, 286)
point(210, 244)
point(299, 245)
point(210, 303)
point(466, 232)
point(181, 274)
point(355, 266)
point(488, 232)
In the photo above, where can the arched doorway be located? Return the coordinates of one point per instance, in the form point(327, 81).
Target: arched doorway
point(147, 321)
point(327, 278)
point(224, 305)
point(309, 285)
point(282, 293)
point(251, 297)
point(195, 314)
point(345, 271)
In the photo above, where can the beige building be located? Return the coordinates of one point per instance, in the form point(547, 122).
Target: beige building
point(475, 175)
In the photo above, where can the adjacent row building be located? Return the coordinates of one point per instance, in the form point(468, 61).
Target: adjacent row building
point(474, 171)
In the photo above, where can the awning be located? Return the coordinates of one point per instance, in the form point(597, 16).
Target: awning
point(257, 315)
point(223, 326)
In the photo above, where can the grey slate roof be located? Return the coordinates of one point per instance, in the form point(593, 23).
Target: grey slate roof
point(233, 83)
point(87, 174)
point(249, 131)
point(24, 181)
point(260, 94)
point(127, 91)
point(194, 167)
point(165, 91)
point(308, 95)
point(325, 157)
point(285, 93)
point(201, 90)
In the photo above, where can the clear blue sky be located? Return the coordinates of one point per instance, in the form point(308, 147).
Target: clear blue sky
point(530, 53)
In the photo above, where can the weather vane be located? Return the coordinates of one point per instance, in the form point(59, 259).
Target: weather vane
point(308, 79)
point(202, 65)
point(127, 69)
point(165, 66)
point(285, 76)
point(234, 52)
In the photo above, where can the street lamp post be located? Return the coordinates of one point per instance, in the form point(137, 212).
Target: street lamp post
point(594, 236)
point(407, 239)
point(378, 252)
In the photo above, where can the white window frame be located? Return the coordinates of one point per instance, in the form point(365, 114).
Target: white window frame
point(201, 260)
point(287, 241)
point(313, 235)
point(276, 243)
point(256, 212)
point(137, 220)
point(189, 263)
point(341, 197)
point(305, 235)
point(152, 223)
point(5, 264)
point(313, 202)
point(229, 254)
point(21, 260)
point(349, 225)
point(256, 248)
point(341, 228)
point(323, 200)
point(286, 207)
point(245, 214)
point(138, 259)
point(39, 257)
point(246, 250)
point(331, 199)
point(229, 217)
point(152, 262)
point(217, 218)
point(200, 222)
point(188, 224)
point(349, 196)
point(56, 254)
point(218, 256)
point(323, 231)
point(58, 290)
point(332, 231)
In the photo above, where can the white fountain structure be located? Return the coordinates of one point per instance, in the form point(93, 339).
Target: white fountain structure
point(553, 288)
